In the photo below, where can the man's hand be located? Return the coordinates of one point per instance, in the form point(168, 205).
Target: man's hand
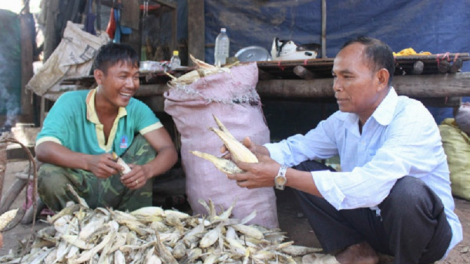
point(256, 175)
point(136, 178)
point(103, 166)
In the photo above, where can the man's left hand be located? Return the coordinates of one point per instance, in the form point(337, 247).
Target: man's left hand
point(256, 175)
point(136, 178)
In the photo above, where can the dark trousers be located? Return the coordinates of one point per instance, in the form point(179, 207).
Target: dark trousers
point(412, 225)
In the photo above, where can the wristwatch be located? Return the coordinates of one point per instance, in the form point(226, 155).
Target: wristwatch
point(280, 180)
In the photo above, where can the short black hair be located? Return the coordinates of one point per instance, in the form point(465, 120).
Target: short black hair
point(378, 53)
point(112, 53)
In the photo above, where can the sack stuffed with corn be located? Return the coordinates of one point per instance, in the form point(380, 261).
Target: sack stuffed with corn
point(456, 145)
point(230, 93)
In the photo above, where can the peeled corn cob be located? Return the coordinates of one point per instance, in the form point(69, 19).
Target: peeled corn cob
point(237, 150)
point(222, 164)
point(119, 161)
point(6, 218)
point(222, 127)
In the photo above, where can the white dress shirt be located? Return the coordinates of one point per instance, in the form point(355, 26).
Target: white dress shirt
point(400, 138)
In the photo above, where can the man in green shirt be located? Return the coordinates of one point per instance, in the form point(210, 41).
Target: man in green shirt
point(84, 128)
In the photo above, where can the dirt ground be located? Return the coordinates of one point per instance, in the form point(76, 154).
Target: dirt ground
point(291, 218)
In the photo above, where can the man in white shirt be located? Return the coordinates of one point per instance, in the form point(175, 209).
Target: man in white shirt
point(393, 192)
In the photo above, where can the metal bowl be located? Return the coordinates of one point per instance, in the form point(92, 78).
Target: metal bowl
point(253, 53)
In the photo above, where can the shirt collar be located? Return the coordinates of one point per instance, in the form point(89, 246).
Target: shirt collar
point(386, 109)
point(91, 114)
point(383, 114)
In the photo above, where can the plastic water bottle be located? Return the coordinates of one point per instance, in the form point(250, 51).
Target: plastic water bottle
point(222, 47)
point(175, 61)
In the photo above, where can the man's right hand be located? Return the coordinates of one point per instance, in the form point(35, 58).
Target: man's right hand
point(103, 166)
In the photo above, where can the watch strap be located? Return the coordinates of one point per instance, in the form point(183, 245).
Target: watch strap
point(280, 180)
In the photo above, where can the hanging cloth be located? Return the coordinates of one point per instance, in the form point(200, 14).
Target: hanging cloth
point(111, 25)
point(90, 19)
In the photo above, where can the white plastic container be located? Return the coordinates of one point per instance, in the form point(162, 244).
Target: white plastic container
point(175, 61)
point(222, 48)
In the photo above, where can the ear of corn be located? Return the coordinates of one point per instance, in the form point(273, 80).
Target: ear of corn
point(202, 69)
point(237, 150)
point(6, 218)
point(222, 127)
point(223, 165)
point(119, 161)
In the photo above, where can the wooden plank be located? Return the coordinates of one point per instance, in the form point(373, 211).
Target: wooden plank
point(440, 85)
point(441, 101)
point(196, 33)
point(3, 161)
point(443, 85)
point(135, 38)
point(151, 89)
point(27, 32)
point(323, 28)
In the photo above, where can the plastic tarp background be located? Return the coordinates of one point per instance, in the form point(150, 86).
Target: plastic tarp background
point(425, 25)
point(10, 67)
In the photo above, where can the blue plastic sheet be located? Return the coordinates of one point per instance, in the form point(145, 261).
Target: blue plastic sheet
point(425, 25)
point(10, 69)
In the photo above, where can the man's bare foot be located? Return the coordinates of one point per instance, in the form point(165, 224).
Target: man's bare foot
point(361, 253)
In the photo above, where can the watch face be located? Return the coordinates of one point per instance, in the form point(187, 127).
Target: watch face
point(280, 180)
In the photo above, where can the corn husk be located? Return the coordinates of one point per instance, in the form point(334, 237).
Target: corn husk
point(121, 237)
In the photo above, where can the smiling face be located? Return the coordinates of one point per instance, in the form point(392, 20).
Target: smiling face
point(359, 88)
point(117, 85)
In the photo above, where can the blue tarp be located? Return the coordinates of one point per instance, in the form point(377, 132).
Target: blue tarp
point(10, 67)
point(425, 25)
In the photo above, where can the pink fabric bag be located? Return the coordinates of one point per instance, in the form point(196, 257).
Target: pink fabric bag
point(232, 97)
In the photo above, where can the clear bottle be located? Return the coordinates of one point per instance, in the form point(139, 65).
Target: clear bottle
point(222, 48)
point(175, 61)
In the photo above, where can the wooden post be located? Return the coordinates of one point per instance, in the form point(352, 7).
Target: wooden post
point(323, 28)
point(174, 30)
point(196, 33)
point(450, 85)
point(26, 21)
point(3, 160)
point(135, 38)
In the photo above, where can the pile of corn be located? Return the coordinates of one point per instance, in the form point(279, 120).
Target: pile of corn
point(202, 69)
point(6, 218)
point(78, 234)
point(410, 52)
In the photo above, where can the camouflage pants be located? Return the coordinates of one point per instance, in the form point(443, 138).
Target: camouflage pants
point(110, 192)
